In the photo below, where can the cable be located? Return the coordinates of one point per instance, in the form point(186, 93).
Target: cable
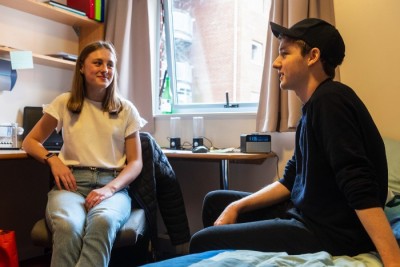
point(211, 144)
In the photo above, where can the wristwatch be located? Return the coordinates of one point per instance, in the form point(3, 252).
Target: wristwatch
point(49, 155)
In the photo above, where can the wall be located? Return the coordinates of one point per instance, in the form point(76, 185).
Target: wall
point(39, 85)
point(370, 31)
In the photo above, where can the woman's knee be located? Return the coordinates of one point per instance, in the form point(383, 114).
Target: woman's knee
point(106, 221)
point(66, 227)
point(102, 220)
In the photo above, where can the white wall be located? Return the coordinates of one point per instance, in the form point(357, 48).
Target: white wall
point(39, 85)
point(370, 29)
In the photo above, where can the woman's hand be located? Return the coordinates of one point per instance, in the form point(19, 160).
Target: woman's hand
point(63, 176)
point(98, 195)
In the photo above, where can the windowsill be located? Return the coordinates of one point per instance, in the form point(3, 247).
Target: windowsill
point(212, 110)
point(210, 115)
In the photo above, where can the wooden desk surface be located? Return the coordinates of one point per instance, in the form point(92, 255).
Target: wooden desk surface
point(13, 154)
point(181, 154)
point(187, 154)
point(16, 154)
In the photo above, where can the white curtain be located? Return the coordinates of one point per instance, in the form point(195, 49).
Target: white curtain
point(130, 26)
point(280, 110)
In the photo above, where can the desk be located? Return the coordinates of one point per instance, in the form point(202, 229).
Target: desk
point(13, 154)
point(223, 158)
point(24, 184)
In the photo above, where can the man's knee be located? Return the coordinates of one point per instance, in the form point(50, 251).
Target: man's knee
point(197, 242)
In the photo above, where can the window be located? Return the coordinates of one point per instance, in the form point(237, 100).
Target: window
point(213, 51)
point(257, 53)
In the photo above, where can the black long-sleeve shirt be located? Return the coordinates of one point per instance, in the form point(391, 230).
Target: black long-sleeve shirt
point(339, 165)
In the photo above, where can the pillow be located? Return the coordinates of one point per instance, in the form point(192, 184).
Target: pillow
point(393, 158)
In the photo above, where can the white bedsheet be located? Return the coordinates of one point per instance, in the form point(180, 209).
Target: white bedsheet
point(247, 258)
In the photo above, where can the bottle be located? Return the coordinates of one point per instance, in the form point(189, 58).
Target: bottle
point(166, 98)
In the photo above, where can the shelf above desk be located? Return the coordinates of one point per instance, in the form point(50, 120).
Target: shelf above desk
point(87, 30)
point(42, 59)
point(47, 11)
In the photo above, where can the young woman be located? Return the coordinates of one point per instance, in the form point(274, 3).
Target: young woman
point(100, 157)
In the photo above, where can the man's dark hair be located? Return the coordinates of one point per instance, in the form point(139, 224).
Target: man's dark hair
point(305, 49)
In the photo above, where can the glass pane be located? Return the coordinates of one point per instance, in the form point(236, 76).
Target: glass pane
point(218, 47)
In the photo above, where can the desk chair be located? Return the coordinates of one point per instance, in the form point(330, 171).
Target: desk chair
point(156, 187)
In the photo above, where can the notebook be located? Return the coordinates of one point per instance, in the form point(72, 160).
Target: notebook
point(30, 117)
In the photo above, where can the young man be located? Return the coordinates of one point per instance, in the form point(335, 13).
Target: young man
point(333, 191)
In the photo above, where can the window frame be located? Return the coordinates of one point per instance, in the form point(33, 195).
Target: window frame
point(225, 108)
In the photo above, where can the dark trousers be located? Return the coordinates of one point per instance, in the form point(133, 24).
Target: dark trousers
point(274, 229)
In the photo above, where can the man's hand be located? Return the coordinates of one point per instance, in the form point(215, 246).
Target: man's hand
point(228, 216)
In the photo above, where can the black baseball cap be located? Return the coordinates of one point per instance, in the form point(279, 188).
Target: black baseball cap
point(316, 33)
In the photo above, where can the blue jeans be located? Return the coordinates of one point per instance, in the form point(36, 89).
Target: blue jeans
point(82, 238)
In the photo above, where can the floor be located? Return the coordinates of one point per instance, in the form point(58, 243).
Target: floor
point(43, 261)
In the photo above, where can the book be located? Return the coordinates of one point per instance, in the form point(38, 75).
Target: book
point(64, 55)
point(86, 6)
point(62, 6)
point(99, 10)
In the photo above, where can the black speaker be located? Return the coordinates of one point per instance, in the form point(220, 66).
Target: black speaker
point(175, 143)
point(198, 141)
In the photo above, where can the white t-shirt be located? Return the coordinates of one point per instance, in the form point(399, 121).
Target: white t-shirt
point(94, 138)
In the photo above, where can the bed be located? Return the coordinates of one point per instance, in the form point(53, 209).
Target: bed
point(244, 258)
point(247, 258)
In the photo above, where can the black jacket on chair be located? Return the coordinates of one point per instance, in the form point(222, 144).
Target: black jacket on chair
point(157, 187)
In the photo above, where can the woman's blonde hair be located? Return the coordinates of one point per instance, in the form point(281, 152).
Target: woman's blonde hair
point(111, 102)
